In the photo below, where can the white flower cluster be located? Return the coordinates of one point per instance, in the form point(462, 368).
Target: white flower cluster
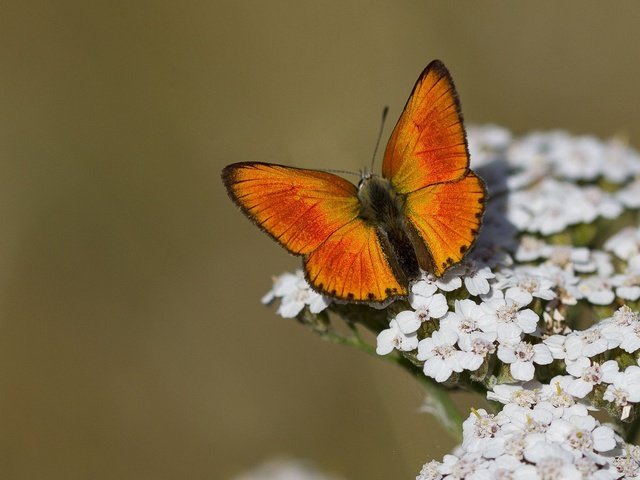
point(466, 337)
point(542, 432)
point(521, 306)
point(295, 294)
point(587, 355)
point(518, 286)
point(540, 172)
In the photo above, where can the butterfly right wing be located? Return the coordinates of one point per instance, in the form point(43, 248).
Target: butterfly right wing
point(315, 214)
point(428, 143)
point(427, 160)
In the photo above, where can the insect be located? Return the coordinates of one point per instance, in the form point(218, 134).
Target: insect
point(367, 243)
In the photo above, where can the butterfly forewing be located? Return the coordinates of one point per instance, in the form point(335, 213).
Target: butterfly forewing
point(299, 208)
point(428, 143)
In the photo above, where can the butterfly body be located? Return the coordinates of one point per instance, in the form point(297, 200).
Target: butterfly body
point(367, 243)
point(382, 207)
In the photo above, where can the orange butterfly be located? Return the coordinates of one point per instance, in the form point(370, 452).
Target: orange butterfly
point(365, 243)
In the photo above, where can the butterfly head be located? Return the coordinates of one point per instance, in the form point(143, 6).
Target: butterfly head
point(365, 174)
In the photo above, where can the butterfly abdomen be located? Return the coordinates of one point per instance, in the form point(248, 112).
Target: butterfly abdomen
point(382, 206)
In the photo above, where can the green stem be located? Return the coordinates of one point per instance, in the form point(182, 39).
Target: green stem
point(438, 403)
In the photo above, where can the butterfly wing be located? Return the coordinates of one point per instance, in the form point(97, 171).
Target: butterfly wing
point(315, 214)
point(353, 265)
point(428, 143)
point(427, 160)
point(446, 217)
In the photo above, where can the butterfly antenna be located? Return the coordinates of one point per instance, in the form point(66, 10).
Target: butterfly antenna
point(385, 110)
point(346, 172)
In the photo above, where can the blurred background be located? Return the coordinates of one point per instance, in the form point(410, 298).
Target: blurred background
point(132, 341)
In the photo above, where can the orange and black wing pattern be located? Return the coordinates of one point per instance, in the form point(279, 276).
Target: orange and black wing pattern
point(447, 218)
point(427, 160)
point(315, 214)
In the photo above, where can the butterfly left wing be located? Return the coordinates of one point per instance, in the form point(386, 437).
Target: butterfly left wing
point(352, 264)
point(315, 214)
point(427, 161)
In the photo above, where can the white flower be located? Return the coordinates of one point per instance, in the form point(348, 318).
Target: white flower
point(525, 395)
point(597, 290)
point(627, 285)
point(556, 345)
point(555, 397)
point(630, 195)
point(524, 420)
point(529, 287)
point(439, 354)
point(470, 467)
point(524, 283)
point(476, 347)
point(570, 258)
point(393, 337)
point(589, 374)
point(464, 319)
point(623, 329)
point(423, 288)
point(581, 434)
point(531, 248)
point(285, 284)
point(521, 356)
point(295, 293)
point(625, 388)
point(432, 307)
point(626, 243)
point(426, 308)
point(550, 461)
point(481, 433)
point(476, 277)
point(622, 161)
point(507, 466)
point(564, 280)
point(549, 206)
point(628, 464)
point(449, 281)
point(578, 158)
point(430, 471)
point(600, 204)
point(505, 317)
point(590, 342)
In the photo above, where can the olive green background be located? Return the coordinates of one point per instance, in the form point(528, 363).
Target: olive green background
point(132, 341)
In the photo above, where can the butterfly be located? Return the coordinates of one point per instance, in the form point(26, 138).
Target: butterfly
point(366, 243)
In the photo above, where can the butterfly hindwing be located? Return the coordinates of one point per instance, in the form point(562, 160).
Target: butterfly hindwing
point(428, 143)
point(447, 218)
point(315, 214)
point(352, 265)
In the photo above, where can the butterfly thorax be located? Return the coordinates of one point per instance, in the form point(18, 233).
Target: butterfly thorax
point(380, 204)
